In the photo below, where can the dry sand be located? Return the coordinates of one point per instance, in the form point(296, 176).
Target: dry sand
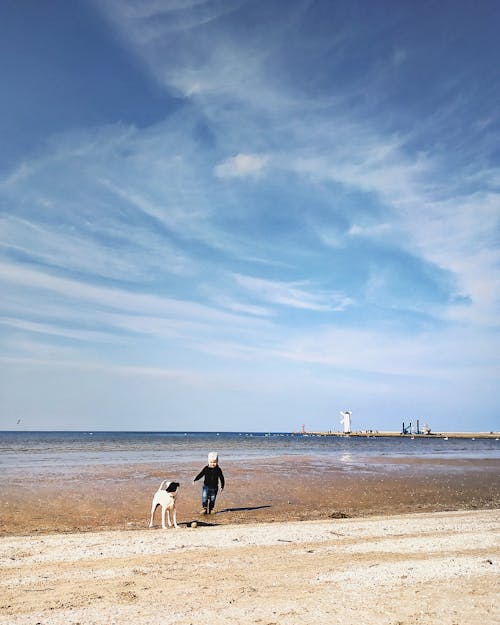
point(429, 568)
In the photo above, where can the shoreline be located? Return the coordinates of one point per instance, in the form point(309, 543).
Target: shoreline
point(417, 569)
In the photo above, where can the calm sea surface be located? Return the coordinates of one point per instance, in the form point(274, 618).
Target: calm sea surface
point(40, 451)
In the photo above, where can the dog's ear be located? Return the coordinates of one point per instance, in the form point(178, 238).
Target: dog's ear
point(172, 487)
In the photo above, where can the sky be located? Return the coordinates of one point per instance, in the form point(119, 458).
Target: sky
point(249, 215)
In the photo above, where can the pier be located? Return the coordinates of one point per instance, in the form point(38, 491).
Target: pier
point(380, 434)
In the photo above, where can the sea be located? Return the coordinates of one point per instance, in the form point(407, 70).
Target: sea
point(38, 452)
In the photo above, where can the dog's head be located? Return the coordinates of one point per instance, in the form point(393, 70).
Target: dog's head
point(171, 487)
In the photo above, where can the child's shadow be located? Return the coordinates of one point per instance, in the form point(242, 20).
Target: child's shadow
point(246, 509)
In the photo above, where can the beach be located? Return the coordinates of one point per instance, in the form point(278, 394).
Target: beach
point(426, 568)
point(316, 534)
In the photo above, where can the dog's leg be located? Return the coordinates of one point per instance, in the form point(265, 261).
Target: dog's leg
point(168, 518)
point(174, 514)
point(153, 508)
point(163, 508)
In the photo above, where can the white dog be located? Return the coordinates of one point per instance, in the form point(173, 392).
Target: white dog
point(165, 497)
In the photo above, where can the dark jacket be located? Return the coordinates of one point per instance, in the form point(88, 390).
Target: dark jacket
point(212, 476)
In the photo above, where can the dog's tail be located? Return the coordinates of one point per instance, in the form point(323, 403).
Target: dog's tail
point(164, 484)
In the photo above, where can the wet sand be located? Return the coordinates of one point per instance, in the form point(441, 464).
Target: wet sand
point(273, 490)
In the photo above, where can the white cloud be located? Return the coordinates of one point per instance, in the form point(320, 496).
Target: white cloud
point(376, 231)
point(241, 165)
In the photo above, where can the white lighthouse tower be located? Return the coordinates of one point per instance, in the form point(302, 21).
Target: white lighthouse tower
point(346, 420)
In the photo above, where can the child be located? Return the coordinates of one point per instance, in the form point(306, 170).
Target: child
point(212, 473)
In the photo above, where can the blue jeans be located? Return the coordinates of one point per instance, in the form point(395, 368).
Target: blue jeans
point(208, 496)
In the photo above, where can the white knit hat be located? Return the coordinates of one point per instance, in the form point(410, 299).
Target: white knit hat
point(213, 457)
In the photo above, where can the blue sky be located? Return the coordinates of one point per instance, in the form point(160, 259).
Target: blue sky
point(249, 214)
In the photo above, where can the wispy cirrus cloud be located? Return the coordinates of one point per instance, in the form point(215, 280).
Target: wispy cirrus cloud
point(292, 294)
point(76, 251)
point(109, 298)
point(57, 330)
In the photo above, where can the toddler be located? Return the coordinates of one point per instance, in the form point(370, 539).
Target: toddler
point(212, 474)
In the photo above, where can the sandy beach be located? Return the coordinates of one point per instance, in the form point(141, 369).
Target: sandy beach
point(394, 570)
point(408, 541)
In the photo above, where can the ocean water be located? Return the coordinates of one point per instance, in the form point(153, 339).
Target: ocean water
point(34, 452)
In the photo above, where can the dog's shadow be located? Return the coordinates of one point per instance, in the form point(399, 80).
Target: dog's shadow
point(246, 509)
